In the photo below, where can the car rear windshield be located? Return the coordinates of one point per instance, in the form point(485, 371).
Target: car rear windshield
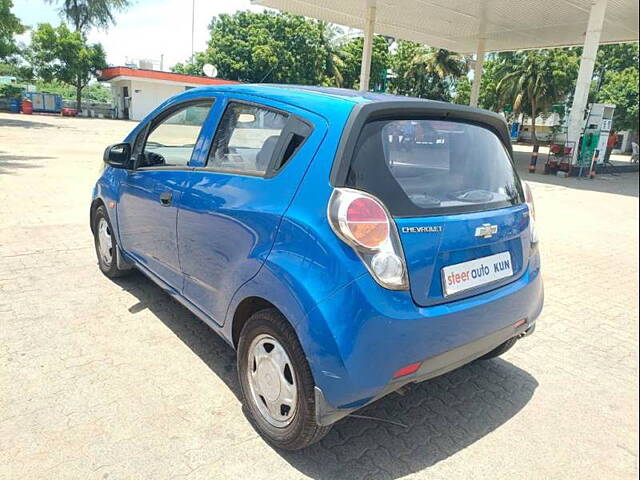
point(433, 167)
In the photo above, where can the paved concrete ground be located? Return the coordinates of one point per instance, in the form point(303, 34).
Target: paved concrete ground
point(102, 379)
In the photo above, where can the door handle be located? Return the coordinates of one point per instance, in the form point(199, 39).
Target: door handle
point(165, 198)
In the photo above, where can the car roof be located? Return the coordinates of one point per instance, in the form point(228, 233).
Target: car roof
point(321, 100)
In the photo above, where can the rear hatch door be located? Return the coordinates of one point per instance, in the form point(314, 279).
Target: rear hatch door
point(456, 199)
point(447, 259)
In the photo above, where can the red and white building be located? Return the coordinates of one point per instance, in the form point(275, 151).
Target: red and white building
point(137, 91)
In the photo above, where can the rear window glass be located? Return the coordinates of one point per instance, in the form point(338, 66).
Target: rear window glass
point(427, 167)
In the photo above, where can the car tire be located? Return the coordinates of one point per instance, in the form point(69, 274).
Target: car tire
point(106, 245)
point(500, 349)
point(268, 347)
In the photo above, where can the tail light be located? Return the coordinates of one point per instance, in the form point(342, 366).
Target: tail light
point(528, 198)
point(362, 221)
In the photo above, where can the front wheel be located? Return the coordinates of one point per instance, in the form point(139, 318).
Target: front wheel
point(277, 385)
point(105, 242)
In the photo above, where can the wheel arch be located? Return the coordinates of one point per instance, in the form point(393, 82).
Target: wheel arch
point(243, 312)
point(292, 298)
point(97, 202)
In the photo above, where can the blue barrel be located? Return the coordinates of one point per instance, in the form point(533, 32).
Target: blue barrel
point(14, 105)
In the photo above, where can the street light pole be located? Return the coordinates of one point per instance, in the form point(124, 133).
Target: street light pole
point(367, 47)
point(193, 20)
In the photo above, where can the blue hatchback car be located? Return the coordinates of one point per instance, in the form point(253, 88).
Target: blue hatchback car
point(344, 243)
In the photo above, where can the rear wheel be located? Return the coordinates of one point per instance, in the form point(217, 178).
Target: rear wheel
point(276, 381)
point(500, 349)
point(105, 242)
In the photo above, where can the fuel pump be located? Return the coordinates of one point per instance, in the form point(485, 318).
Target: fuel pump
point(595, 133)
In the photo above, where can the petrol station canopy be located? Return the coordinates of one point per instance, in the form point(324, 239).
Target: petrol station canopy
point(457, 25)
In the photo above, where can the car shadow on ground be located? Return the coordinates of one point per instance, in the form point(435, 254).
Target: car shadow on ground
point(9, 163)
point(401, 434)
point(14, 122)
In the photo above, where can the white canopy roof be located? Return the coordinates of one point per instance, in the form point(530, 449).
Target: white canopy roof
point(458, 24)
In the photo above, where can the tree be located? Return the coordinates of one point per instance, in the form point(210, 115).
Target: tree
point(60, 54)
point(426, 72)
point(14, 67)
point(442, 63)
point(191, 68)
point(496, 66)
point(621, 89)
point(616, 57)
point(10, 26)
point(96, 92)
point(463, 91)
point(84, 15)
point(536, 80)
point(335, 56)
point(352, 58)
point(267, 47)
point(616, 73)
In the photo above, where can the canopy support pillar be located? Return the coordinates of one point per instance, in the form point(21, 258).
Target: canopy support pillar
point(477, 73)
point(587, 62)
point(367, 48)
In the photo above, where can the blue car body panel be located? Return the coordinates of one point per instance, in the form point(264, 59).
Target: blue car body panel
point(228, 222)
point(372, 343)
point(229, 237)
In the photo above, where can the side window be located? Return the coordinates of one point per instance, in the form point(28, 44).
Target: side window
point(171, 142)
point(246, 139)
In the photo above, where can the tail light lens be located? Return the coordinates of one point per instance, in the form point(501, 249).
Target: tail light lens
point(528, 197)
point(362, 221)
point(367, 222)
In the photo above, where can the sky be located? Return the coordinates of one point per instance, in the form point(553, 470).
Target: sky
point(148, 29)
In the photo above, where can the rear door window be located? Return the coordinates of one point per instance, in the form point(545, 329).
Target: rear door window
point(246, 139)
point(428, 167)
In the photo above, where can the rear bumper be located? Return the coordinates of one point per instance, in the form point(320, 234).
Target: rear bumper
point(430, 368)
point(359, 337)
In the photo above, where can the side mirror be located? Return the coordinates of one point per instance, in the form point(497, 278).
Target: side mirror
point(118, 155)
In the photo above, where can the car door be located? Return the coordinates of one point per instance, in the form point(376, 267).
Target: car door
point(233, 205)
point(150, 193)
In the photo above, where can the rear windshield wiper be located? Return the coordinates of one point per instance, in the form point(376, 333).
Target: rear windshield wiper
point(424, 200)
point(473, 196)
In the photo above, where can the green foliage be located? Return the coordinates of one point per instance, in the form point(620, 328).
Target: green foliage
point(335, 63)
point(616, 82)
point(351, 54)
point(426, 72)
point(621, 89)
point(189, 68)
point(84, 15)
point(463, 91)
point(284, 48)
point(13, 67)
point(267, 47)
point(535, 80)
point(95, 92)
point(10, 26)
point(62, 55)
point(617, 57)
point(8, 90)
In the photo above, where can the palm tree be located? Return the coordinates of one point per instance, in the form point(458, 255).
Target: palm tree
point(334, 38)
point(532, 84)
point(431, 72)
point(86, 14)
point(443, 64)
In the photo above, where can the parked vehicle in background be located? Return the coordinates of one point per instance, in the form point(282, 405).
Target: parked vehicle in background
point(344, 243)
